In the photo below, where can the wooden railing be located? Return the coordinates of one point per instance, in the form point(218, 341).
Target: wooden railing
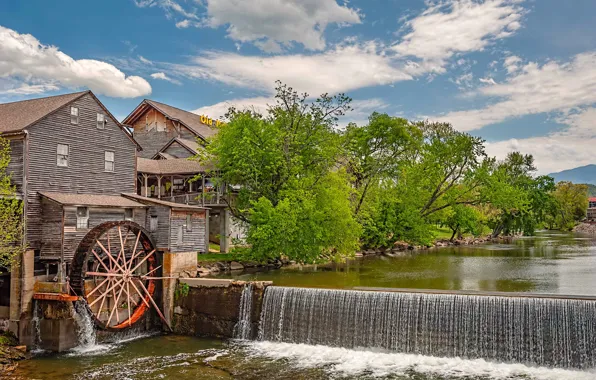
point(208, 198)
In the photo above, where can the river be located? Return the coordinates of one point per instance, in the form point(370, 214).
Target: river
point(555, 263)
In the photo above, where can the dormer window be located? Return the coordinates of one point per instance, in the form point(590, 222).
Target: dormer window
point(101, 121)
point(74, 115)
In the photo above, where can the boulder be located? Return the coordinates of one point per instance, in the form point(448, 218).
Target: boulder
point(234, 265)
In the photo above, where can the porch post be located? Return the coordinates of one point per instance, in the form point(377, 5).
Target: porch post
point(203, 190)
point(146, 178)
point(159, 186)
point(172, 186)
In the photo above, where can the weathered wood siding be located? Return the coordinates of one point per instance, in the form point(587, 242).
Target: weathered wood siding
point(52, 229)
point(162, 235)
point(191, 241)
point(146, 133)
point(97, 215)
point(178, 151)
point(16, 164)
point(85, 173)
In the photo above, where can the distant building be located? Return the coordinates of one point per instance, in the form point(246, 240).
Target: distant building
point(592, 209)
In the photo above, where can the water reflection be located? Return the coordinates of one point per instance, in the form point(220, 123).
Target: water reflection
point(551, 262)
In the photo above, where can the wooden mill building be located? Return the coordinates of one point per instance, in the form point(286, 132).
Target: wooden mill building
point(74, 166)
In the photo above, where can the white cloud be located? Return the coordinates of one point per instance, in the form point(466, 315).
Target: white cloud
point(145, 60)
point(218, 110)
point(534, 89)
point(511, 63)
point(269, 22)
point(171, 8)
point(183, 24)
point(487, 80)
point(29, 89)
point(345, 68)
point(23, 56)
point(557, 151)
point(458, 26)
point(163, 76)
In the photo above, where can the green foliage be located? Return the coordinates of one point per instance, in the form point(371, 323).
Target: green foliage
point(464, 220)
point(182, 290)
point(291, 196)
point(567, 206)
point(591, 190)
point(307, 225)
point(11, 212)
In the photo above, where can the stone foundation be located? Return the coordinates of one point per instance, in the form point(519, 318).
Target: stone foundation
point(210, 307)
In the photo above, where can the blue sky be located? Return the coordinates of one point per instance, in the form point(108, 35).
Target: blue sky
point(519, 73)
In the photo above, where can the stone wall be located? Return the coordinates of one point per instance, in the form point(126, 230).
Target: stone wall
point(211, 307)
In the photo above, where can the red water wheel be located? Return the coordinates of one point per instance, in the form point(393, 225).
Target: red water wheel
point(114, 269)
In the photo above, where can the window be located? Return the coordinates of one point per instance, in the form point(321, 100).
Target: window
point(82, 218)
point(62, 153)
point(188, 223)
point(153, 223)
point(101, 121)
point(128, 214)
point(74, 115)
point(180, 237)
point(109, 161)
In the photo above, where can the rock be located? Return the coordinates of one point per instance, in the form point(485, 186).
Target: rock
point(221, 266)
point(358, 254)
point(21, 348)
point(180, 311)
point(234, 265)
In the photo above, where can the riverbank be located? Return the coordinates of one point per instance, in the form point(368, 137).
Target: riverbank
point(10, 353)
point(214, 264)
point(585, 228)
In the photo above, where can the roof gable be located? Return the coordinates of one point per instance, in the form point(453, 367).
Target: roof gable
point(191, 146)
point(17, 116)
point(189, 120)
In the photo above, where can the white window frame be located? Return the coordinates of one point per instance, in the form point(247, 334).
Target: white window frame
point(74, 115)
point(101, 121)
point(82, 218)
point(188, 222)
point(109, 160)
point(153, 223)
point(60, 154)
point(129, 211)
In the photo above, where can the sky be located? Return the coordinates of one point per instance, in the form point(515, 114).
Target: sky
point(519, 73)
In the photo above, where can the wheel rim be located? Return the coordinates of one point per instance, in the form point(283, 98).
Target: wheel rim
point(114, 270)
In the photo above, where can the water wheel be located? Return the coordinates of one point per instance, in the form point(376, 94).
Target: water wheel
point(114, 270)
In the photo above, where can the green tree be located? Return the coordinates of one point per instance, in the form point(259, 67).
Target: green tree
point(377, 150)
point(291, 194)
point(463, 220)
point(568, 206)
point(11, 212)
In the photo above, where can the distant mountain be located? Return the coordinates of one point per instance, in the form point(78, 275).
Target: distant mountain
point(583, 174)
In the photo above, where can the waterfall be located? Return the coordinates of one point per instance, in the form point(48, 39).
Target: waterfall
point(85, 324)
point(243, 328)
point(35, 321)
point(541, 331)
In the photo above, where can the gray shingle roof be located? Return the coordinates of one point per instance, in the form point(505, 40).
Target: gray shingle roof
point(189, 119)
point(99, 200)
point(171, 166)
point(16, 116)
point(160, 202)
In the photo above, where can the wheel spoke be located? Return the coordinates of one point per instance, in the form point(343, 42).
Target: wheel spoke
point(110, 256)
point(102, 302)
point(106, 292)
point(155, 306)
point(101, 261)
point(104, 274)
point(97, 287)
point(116, 301)
point(134, 250)
point(142, 260)
point(128, 300)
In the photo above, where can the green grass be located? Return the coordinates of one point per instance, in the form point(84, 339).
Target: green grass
point(220, 257)
point(213, 247)
point(442, 232)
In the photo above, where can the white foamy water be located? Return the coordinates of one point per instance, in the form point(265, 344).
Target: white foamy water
point(106, 347)
point(352, 362)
